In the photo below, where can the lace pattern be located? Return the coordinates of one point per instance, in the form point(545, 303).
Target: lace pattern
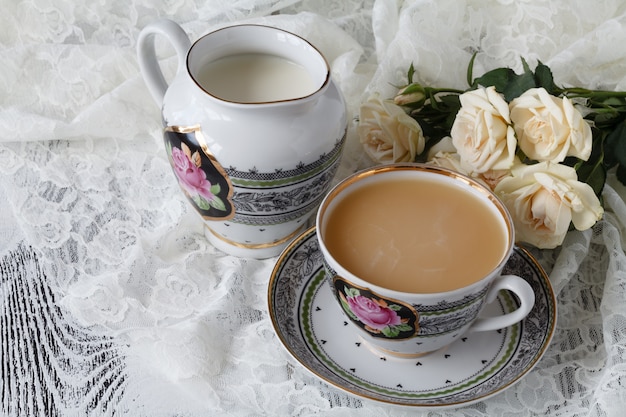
point(122, 263)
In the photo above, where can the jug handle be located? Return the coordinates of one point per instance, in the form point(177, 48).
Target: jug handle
point(148, 64)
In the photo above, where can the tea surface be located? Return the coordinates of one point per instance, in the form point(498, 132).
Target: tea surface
point(255, 78)
point(420, 236)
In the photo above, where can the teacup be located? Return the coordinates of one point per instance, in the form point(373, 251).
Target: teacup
point(414, 252)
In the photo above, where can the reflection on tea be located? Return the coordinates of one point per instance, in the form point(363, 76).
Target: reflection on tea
point(255, 78)
point(416, 235)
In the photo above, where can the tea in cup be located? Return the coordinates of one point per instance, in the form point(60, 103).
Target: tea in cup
point(414, 252)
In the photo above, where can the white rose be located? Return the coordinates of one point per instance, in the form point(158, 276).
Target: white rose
point(452, 161)
point(449, 160)
point(444, 155)
point(443, 146)
point(387, 133)
point(493, 177)
point(544, 198)
point(549, 128)
point(482, 131)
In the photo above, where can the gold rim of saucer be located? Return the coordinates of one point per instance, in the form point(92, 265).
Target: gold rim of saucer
point(298, 346)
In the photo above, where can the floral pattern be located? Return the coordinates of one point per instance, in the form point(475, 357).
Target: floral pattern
point(503, 125)
point(193, 180)
point(545, 200)
point(482, 132)
point(303, 311)
point(201, 177)
point(387, 132)
point(374, 314)
point(550, 128)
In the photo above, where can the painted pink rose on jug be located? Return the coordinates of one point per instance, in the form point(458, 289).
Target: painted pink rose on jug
point(191, 177)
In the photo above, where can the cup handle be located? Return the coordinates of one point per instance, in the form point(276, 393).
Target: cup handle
point(526, 296)
point(148, 64)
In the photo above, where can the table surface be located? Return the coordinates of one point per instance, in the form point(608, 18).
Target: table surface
point(112, 302)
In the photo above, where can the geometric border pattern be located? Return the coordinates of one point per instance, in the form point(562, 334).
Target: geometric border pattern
point(298, 292)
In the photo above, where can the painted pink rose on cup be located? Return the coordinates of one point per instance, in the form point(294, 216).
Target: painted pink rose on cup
point(372, 313)
point(191, 177)
point(377, 316)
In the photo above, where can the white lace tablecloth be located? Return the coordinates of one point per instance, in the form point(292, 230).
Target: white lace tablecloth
point(111, 300)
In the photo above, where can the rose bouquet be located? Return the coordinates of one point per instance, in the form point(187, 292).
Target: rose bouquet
point(544, 150)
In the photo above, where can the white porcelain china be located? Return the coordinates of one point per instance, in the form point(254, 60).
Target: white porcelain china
point(418, 227)
point(480, 365)
point(254, 171)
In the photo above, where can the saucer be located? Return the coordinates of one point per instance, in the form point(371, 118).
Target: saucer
point(311, 326)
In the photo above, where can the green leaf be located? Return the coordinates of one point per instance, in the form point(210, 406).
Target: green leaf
point(394, 307)
point(606, 118)
point(430, 142)
point(613, 101)
point(352, 292)
point(215, 189)
point(349, 312)
point(593, 170)
point(443, 105)
point(410, 74)
point(525, 66)
point(451, 101)
point(391, 331)
point(513, 85)
point(413, 88)
point(499, 78)
point(518, 85)
point(621, 174)
point(201, 202)
point(470, 70)
point(615, 146)
point(218, 204)
point(404, 327)
point(544, 78)
point(615, 151)
point(596, 177)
